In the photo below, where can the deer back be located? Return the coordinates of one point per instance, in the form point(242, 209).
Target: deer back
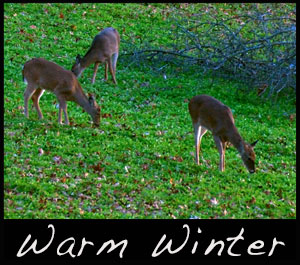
point(104, 45)
point(50, 76)
point(106, 42)
point(43, 74)
point(211, 114)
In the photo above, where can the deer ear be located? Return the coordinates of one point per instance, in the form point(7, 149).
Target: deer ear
point(254, 143)
point(92, 99)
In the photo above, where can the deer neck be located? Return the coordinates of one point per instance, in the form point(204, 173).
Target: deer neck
point(87, 59)
point(236, 139)
point(82, 100)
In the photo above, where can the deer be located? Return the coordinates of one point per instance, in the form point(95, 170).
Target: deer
point(208, 113)
point(104, 49)
point(40, 75)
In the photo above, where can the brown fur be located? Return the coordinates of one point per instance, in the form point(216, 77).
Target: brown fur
point(41, 75)
point(104, 49)
point(208, 113)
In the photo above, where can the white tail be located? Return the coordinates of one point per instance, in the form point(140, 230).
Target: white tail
point(41, 75)
point(208, 113)
point(104, 49)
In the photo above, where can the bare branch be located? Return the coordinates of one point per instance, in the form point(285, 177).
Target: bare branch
point(259, 48)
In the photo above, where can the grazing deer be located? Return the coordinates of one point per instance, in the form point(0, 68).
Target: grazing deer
point(104, 49)
point(208, 113)
point(40, 75)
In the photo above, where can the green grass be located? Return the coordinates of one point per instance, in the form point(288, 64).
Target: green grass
point(139, 163)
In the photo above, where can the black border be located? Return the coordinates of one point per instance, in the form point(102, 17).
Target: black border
point(143, 235)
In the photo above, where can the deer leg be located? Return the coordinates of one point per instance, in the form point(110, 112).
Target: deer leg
point(62, 106)
point(202, 132)
point(111, 70)
point(114, 61)
point(197, 146)
point(27, 95)
point(199, 131)
point(105, 73)
point(59, 115)
point(95, 72)
point(36, 98)
point(224, 148)
point(221, 148)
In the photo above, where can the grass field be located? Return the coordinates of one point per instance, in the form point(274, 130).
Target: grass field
point(140, 162)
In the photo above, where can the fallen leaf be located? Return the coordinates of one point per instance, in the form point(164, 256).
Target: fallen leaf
point(179, 159)
point(279, 193)
point(157, 155)
point(161, 133)
point(270, 203)
point(292, 116)
point(66, 186)
point(214, 201)
point(253, 200)
point(41, 151)
point(106, 115)
point(98, 167)
point(57, 159)
point(145, 167)
point(145, 84)
point(11, 133)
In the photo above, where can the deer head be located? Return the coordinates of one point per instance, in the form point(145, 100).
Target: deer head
point(96, 110)
point(76, 68)
point(248, 156)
